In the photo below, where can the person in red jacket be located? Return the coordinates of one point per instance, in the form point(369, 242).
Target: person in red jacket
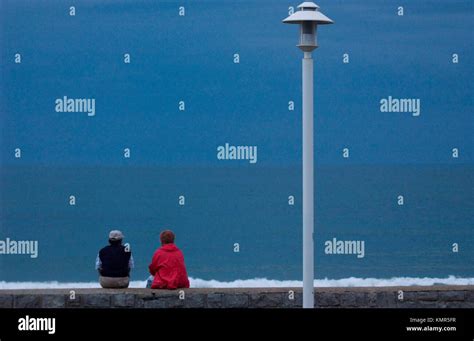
point(167, 265)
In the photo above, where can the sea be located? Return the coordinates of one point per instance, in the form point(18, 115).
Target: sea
point(245, 207)
point(172, 81)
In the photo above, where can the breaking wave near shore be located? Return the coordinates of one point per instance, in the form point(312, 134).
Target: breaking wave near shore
point(261, 283)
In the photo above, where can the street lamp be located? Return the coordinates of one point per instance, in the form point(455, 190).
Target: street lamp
point(309, 17)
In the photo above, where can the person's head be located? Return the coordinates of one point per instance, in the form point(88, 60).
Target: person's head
point(167, 237)
point(115, 237)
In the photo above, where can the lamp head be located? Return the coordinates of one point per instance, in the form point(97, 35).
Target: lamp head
point(308, 17)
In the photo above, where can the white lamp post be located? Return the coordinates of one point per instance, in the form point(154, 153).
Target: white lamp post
point(309, 17)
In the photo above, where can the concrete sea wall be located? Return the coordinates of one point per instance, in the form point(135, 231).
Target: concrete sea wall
point(363, 297)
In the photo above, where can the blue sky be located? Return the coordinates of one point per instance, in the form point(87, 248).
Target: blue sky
point(191, 58)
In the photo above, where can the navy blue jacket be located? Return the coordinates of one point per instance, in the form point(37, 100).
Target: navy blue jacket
point(115, 261)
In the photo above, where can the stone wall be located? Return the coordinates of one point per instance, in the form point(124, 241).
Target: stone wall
point(380, 297)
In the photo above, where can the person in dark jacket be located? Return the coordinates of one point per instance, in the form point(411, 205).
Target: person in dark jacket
point(114, 262)
point(167, 266)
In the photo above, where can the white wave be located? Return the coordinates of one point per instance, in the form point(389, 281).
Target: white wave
point(261, 283)
point(344, 282)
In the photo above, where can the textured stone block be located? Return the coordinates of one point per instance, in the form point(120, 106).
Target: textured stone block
point(427, 304)
point(420, 295)
point(427, 295)
point(155, 303)
point(455, 304)
point(215, 300)
point(123, 301)
point(327, 299)
point(97, 301)
point(387, 299)
point(348, 299)
point(195, 301)
point(27, 301)
point(372, 299)
point(266, 300)
point(452, 295)
point(236, 301)
point(361, 300)
point(407, 304)
point(54, 301)
point(469, 305)
point(470, 296)
point(6, 301)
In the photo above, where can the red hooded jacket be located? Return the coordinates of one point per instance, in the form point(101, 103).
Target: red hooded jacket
point(168, 268)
